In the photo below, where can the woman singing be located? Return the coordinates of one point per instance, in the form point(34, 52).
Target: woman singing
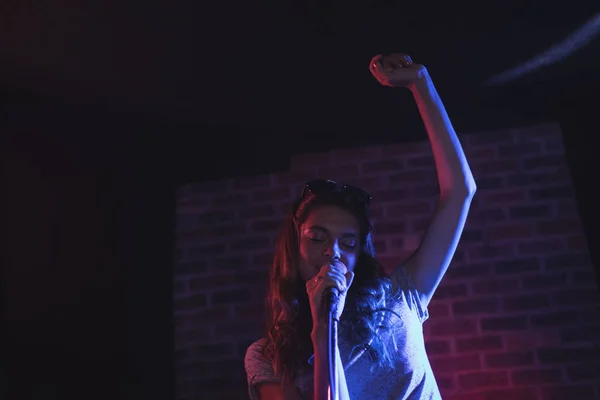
point(327, 242)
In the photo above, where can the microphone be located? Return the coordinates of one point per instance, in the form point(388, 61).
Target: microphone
point(331, 294)
point(331, 297)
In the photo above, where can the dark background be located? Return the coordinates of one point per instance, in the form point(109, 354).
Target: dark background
point(106, 108)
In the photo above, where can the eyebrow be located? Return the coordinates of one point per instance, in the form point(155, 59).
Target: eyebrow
point(325, 230)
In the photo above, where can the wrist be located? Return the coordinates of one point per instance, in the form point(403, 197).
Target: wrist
point(422, 84)
point(319, 334)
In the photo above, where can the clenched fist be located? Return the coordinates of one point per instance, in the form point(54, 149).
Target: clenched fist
point(331, 275)
point(397, 70)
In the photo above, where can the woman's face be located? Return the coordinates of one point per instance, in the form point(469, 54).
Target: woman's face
point(329, 233)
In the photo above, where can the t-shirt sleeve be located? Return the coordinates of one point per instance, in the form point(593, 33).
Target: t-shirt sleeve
point(258, 368)
point(402, 280)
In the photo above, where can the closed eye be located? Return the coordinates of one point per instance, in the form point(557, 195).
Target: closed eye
point(349, 244)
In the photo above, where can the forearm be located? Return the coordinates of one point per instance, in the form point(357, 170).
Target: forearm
point(321, 369)
point(453, 171)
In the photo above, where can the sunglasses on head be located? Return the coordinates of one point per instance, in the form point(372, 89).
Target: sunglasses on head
point(349, 193)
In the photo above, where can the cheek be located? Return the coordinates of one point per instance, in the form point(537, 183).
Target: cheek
point(308, 259)
point(308, 252)
point(351, 259)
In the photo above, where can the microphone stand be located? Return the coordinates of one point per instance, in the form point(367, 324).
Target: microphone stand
point(333, 344)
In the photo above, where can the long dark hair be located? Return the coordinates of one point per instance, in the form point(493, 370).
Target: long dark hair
point(288, 317)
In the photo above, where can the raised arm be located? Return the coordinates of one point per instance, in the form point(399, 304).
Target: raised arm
point(430, 261)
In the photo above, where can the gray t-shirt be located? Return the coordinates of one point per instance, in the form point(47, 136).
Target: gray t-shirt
point(412, 378)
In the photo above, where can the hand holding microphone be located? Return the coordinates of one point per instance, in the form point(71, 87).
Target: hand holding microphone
point(329, 285)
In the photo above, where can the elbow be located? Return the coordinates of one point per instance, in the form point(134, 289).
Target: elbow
point(471, 188)
point(463, 191)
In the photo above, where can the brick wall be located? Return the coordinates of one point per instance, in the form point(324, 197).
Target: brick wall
point(517, 316)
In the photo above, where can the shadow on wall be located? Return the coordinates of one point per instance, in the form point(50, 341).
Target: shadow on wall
point(61, 277)
point(517, 315)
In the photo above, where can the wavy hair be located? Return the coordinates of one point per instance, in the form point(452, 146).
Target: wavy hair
point(288, 318)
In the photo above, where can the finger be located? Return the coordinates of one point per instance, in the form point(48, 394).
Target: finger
point(349, 278)
point(376, 64)
point(334, 275)
point(338, 281)
point(336, 266)
point(390, 62)
point(397, 60)
point(313, 283)
point(337, 274)
point(339, 267)
point(325, 268)
point(399, 57)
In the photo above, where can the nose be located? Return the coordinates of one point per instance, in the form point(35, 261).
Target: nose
point(332, 251)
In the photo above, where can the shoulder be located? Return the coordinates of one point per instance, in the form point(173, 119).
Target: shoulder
point(254, 352)
point(255, 361)
point(259, 369)
point(258, 344)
